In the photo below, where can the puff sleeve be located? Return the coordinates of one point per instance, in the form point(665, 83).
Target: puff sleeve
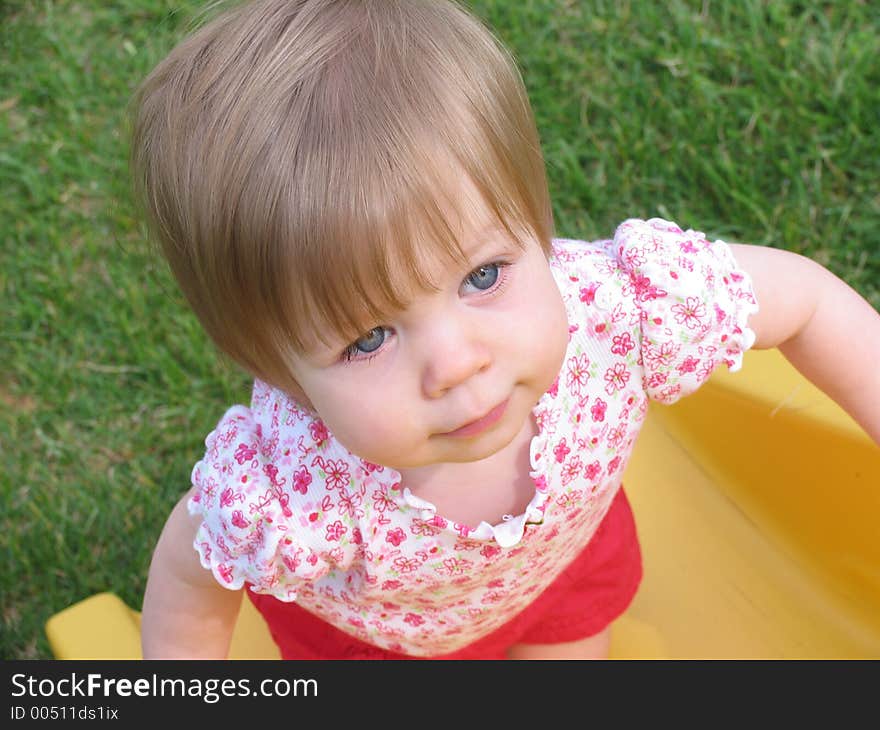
point(693, 304)
point(261, 524)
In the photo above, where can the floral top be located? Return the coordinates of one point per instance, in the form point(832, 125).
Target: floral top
point(288, 510)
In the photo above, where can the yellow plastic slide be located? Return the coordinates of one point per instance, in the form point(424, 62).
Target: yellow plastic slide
point(758, 506)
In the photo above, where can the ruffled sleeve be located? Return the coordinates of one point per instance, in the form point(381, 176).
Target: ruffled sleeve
point(693, 302)
point(261, 523)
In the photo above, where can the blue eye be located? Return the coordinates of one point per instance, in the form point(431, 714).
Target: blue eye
point(484, 277)
point(370, 342)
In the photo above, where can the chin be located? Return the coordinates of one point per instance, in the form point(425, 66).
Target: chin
point(488, 444)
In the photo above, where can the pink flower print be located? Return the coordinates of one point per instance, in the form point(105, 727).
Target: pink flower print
point(492, 597)
point(561, 450)
point(391, 585)
point(644, 290)
point(336, 556)
point(578, 374)
point(221, 543)
point(689, 365)
point(225, 438)
point(455, 566)
point(598, 410)
point(238, 519)
point(656, 380)
point(271, 471)
point(658, 357)
point(407, 565)
point(225, 572)
point(281, 495)
point(707, 369)
point(540, 483)
point(301, 480)
point(554, 389)
point(292, 562)
point(244, 453)
point(413, 619)
point(336, 474)
point(356, 536)
point(690, 313)
point(616, 378)
point(424, 555)
point(616, 435)
point(319, 432)
point(685, 263)
point(588, 293)
point(613, 464)
point(720, 314)
point(591, 471)
point(349, 504)
point(382, 501)
point(261, 503)
point(687, 246)
point(546, 420)
point(228, 496)
point(571, 470)
point(421, 527)
point(336, 530)
point(467, 544)
point(302, 448)
point(395, 537)
point(622, 344)
point(490, 551)
point(268, 446)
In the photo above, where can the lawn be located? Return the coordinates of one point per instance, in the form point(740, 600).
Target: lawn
point(751, 121)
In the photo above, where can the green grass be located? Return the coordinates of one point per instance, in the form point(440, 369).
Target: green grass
point(749, 122)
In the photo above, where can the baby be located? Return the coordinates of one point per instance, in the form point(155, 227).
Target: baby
point(352, 197)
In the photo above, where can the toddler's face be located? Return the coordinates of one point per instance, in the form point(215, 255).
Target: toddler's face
point(454, 376)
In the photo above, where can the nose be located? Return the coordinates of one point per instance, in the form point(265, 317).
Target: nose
point(454, 349)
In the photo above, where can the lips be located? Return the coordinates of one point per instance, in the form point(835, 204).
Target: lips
point(481, 424)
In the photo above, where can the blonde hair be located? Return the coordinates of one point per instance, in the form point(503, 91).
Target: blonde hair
point(291, 154)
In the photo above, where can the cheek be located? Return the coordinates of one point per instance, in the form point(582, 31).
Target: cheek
point(543, 328)
point(369, 426)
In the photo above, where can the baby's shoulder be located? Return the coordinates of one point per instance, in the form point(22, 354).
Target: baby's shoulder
point(281, 501)
point(575, 260)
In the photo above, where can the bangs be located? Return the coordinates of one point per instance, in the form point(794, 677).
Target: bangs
point(306, 167)
point(402, 170)
point(371, 263)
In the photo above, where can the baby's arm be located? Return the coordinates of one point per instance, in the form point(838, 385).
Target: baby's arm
point(187, 614)
point(827, 331)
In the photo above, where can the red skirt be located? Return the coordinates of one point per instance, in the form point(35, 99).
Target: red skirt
point(596, 588)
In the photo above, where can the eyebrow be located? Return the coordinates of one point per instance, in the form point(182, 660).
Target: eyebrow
point(321, 353)
point(478, 241)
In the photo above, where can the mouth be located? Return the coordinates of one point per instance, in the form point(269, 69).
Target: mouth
point(483, 423)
